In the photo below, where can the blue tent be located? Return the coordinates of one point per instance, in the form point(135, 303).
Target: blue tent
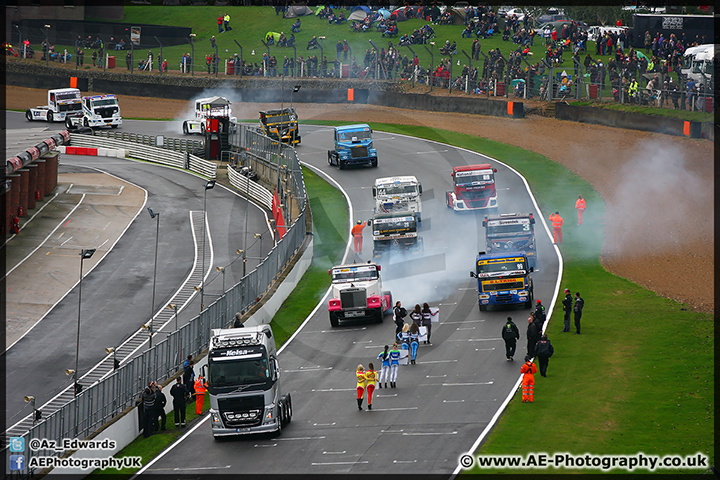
point(363, 8)
point(384, 12)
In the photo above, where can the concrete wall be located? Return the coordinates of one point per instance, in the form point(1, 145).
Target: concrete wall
point(633, 121)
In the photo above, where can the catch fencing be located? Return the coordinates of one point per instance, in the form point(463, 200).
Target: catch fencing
point(119, 391)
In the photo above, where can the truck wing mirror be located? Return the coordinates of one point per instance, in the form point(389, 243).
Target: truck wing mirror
point(473, 274)
point(420, 188)
point(374, 192)
point(369, 222)
point(531, 269)
point(494, 170)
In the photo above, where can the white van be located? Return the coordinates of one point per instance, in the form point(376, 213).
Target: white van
point(596, 31)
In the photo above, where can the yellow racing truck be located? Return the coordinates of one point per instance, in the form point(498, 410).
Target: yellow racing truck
point(281, 125)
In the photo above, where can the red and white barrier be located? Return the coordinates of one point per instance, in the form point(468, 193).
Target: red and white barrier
point(93, 152)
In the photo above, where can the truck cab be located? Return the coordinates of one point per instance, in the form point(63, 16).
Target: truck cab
point(356, 293)
point(396, 194)
point(101, 110)
point(699, 64)
point(205, 108)
point(395, 231)
point(511, 232)
point(353, 146)
point(243, 380)
point(281, 125)
point(473, 188)
point(61, 102)
point(503, 280)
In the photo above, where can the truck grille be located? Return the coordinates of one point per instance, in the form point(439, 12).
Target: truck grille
point(242, 411)
point(359, 152)
point(353, 298)
point(503, 298)
point(106, 112)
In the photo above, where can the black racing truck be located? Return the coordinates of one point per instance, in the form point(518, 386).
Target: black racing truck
point(395, 231)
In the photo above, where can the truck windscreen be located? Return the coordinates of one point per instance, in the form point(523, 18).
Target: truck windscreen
point(508, 229)
point(271, 119)
point(105, 103)
point(64, 97)
point(347, 135)
point(349, 274)
point(397, 190)
point(388, 226)
point(509, 266)
point(479, 177)
point(237, 370)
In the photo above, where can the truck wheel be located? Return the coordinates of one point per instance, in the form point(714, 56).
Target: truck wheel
point(113, 126)
point(50, 117)
point(379, 316)
point(374, 163)
point(341, 163)
point(528, 304)
point(390, 302)
point(333, 320)
point(28, 115)
point(85, 122)
point(68, 123)
point(448, 200)
point(185, 129)
point(481, 306)
point(202, 128)
point(289, 409)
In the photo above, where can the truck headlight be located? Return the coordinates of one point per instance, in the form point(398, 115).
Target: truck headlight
point(483, 296)
point(269, 414)
point(523, 293)
point(215, 418)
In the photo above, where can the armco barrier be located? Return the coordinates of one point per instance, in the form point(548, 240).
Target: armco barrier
point(249, 188)
point(442, 103)
point(635, 121)
point(146, 152)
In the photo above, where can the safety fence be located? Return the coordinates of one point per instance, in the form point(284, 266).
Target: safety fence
point(149, 153)
point(196, 147)
point(114, 394)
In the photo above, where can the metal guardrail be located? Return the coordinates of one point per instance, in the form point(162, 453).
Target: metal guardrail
point(98, 403)
point(141, 151)
point(168, 143)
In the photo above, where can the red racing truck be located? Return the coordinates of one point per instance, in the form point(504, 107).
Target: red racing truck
point(474, 188)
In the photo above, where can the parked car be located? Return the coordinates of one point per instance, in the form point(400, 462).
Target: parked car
point(596, 31)
point(515, 12)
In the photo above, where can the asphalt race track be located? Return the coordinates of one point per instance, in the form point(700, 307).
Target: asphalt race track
point(117, 294)
point(443, 403)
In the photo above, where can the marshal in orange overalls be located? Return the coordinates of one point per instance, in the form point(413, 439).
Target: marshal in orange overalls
point(580, 206)
point(528, 381)
point(357, 233)
point(557, 222)
point(200, 387)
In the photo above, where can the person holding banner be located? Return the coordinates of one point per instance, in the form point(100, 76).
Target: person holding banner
point(384, 357)
point(394, 365)
point(427, 315)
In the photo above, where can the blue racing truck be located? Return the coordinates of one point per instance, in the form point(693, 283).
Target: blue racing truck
point(353, 146)
point(503, 279)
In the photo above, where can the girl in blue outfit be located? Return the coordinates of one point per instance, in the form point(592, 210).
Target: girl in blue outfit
point(414, 334)
point(394, 364)
point(404, 337)
point(384, 357)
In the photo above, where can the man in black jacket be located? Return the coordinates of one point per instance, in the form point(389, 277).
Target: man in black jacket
point(544, 350)
point(578, 308)
point(567, 309)
point(160, 419)
point(511, 335)
point(399, 313)
point(148, 406)
point(540, 313)
point(532, 335)
point(179, 394)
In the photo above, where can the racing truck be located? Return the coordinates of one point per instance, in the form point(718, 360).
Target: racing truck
point(218, 107)
point(243, 381)
point(61, 103)
point(503, 279)
point(356, 293)
point(353, 146)
point(97, 111)
point(393, 194)
point(511, 232)
point(474, 188)
point(281, 125)
point(395, 231)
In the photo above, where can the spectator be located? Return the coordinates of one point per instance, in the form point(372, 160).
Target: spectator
point(220, 24)
point(226, 22)
point(295, 28)
point(160, 418)
point(533, 335)
point(578, 309)
point(212, 41)
point(148, 405)
point(179, 394)
point(544, 351)
point(510, 335)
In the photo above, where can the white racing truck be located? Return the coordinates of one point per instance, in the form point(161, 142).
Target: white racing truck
point(62, 102)
point(244, 383)
point(357, 293)
point(207, 108)
point(398, 194)
point(97, 111)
